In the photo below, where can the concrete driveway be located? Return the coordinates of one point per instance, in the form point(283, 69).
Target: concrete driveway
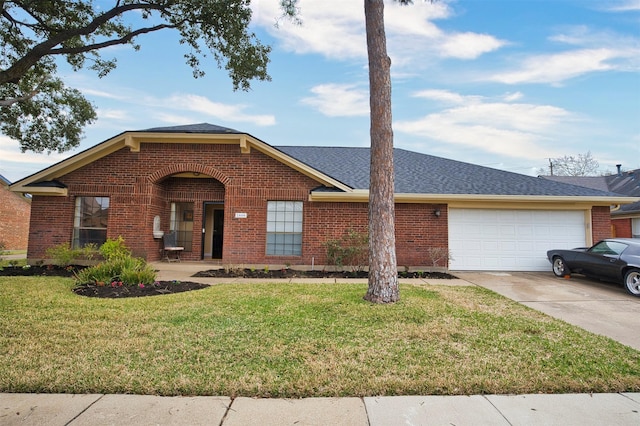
point(601, 308)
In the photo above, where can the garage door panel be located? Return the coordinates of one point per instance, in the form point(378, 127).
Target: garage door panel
point(511, 240)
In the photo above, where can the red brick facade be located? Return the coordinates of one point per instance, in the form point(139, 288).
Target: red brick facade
point(601, 223)
point(142, 185)
point(14, 219)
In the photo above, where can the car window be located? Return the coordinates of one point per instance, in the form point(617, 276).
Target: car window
point(633, 250)
point(608, 247)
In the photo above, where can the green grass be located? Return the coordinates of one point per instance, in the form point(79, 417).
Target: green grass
point(289, 340)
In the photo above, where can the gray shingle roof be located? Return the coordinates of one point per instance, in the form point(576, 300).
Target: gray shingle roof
point(426, 174)
point(204, 128)
point(624, 183)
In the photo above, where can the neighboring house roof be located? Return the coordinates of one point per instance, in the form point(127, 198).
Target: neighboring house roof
point(342, 173)
point(623, 183)
point(6, 183)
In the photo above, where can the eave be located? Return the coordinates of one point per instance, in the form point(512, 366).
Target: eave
point(478, 200)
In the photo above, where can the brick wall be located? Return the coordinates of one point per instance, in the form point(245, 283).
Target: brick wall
point(622, 228)
point(14, 219)
point(601, 223)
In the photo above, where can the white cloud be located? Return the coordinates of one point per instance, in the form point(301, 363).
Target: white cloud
point(556, 68)
point(336, 29)
point(206, 107)
point(445, 96)
point(517, 130)
point(468, 45)
point(339, 100)
point(622, 6)
point(593, 51)
point(511, 97)
point(16, 165)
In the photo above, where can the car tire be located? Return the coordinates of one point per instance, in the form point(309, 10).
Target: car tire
point(559, 267)
point(632, 282)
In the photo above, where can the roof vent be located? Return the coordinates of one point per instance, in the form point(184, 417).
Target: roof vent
point(618, 166)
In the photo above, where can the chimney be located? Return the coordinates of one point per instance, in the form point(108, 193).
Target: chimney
point(618, 166)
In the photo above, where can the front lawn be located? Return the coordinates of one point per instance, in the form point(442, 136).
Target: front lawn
point(284, 340)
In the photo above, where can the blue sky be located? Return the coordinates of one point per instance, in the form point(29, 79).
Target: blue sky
point(500, 83)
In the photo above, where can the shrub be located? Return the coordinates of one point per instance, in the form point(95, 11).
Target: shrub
point(119, 266)
point(439, 256)
point(61, 254)
point(351, 250)
point(64, 255)
point(130, 271)
point(112, 249)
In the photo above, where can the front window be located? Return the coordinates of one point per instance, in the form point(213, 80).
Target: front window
point(90, 221)
point(182, 224)
point(635, 227)
point(284, 228)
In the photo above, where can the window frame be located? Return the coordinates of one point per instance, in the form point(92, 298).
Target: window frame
point(181, 222)
point(284, 228)
point(80, 229)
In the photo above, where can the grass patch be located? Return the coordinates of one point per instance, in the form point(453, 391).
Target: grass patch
point(294, 340)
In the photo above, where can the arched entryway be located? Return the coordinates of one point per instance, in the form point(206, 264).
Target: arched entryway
point(190, 201)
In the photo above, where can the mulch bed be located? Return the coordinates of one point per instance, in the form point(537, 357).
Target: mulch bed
point(36, 271)
point(156, 289)
point(169, 287)
point(106, 291)
point(292, 273)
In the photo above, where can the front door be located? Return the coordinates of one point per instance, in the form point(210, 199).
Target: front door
point(212, 230)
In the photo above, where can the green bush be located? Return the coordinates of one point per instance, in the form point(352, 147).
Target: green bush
point(112, 249)
point(118, 267)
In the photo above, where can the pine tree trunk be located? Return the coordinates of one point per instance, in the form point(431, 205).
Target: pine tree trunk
point(383, 276)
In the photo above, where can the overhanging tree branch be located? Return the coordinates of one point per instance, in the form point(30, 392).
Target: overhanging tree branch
point(17, 70)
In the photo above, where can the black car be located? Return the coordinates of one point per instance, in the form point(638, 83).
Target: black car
point(614, 259)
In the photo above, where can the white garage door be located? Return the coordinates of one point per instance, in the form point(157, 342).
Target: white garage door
point(510, 240)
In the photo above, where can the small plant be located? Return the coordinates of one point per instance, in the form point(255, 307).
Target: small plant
point(266, 269)
point(439, 256)
point(62, 254)
point(26, 267)
point(233, 270)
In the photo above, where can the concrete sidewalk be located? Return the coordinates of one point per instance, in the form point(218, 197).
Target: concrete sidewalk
point(94, 410)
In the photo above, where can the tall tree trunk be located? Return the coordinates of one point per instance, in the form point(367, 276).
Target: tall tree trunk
point(383, 275)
